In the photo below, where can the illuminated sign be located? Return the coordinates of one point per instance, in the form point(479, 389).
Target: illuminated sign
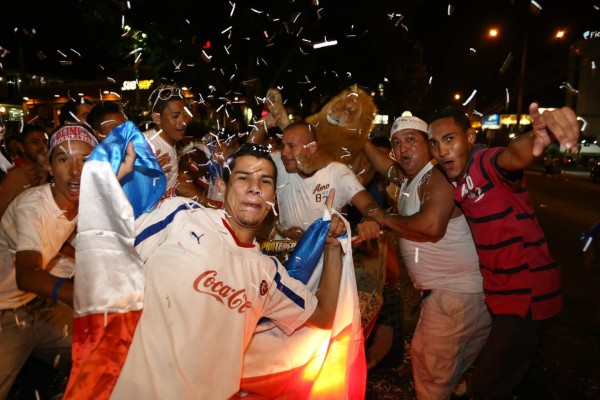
point(133, 85)
point(511, 119)
point(591, 34)
point(381, 119)
point(491, 122)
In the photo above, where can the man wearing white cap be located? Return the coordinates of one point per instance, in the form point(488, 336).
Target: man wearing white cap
point(441, 259)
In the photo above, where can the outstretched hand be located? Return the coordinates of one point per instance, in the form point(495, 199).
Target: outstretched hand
point(337, 227)
point(559, 124)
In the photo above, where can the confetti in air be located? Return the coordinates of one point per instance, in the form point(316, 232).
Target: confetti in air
point(325, 43)
point(570, 89)
point(205, 56)
point(470, 97)
point(536, 4)
point(584, 126)
point(506, 63)
point(272, 207)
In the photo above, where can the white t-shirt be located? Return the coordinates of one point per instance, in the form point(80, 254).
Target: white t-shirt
point(452, 262)
point(5, 164)
point(32, 221)
point(205, 293)
point(301, 200)
point(214, 167)
point(158, 143)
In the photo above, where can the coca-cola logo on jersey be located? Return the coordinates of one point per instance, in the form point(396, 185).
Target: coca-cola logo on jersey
point(208, 283)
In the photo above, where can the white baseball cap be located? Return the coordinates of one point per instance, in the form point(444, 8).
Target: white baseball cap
point(408, 122)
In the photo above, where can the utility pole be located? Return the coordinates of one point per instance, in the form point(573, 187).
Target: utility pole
point(521, 83)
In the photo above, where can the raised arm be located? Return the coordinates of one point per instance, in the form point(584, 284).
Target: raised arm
point(560, 124)
point(379, 158)
point(258, 134)
point(429, 224)
point(329, 285)
point(16, 181)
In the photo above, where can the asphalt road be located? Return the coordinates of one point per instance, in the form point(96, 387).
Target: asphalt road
point(566, 206)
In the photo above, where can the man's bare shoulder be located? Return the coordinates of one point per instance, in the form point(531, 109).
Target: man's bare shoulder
point(435, 180)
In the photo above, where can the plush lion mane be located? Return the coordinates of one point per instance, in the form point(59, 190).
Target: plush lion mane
point(342, 126)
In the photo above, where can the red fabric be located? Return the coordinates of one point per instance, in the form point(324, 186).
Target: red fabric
point(100, 346)
point(19, 162)
point(330, 378)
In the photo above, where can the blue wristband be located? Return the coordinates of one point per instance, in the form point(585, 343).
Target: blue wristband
point(56, 287)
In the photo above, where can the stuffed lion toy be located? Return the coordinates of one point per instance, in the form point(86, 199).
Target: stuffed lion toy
point(342, 126)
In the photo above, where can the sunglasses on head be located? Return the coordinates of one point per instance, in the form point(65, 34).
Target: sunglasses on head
point(166, 93)
point(252, 146)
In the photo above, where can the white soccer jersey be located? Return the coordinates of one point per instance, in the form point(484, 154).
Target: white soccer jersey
point(301, 201)
point(32, 221)
point(158, 143)
point(205, 293)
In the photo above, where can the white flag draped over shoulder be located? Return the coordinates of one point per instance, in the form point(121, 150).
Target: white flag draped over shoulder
point(311, 363)
point(109, 283)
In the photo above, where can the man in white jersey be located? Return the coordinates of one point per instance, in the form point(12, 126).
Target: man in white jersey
point(441, 259)
point(207, 285)
point(301, 197)
point(171, 118)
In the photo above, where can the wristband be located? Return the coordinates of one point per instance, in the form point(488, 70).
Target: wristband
point(56, 287)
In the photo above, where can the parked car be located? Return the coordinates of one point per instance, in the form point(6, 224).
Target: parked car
point(595, 172)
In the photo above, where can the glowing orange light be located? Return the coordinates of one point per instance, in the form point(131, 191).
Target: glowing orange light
point(332, 377)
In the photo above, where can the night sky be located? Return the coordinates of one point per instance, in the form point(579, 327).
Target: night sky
point(271, 41)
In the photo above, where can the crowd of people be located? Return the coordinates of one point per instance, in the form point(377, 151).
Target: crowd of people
point(469, 239)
